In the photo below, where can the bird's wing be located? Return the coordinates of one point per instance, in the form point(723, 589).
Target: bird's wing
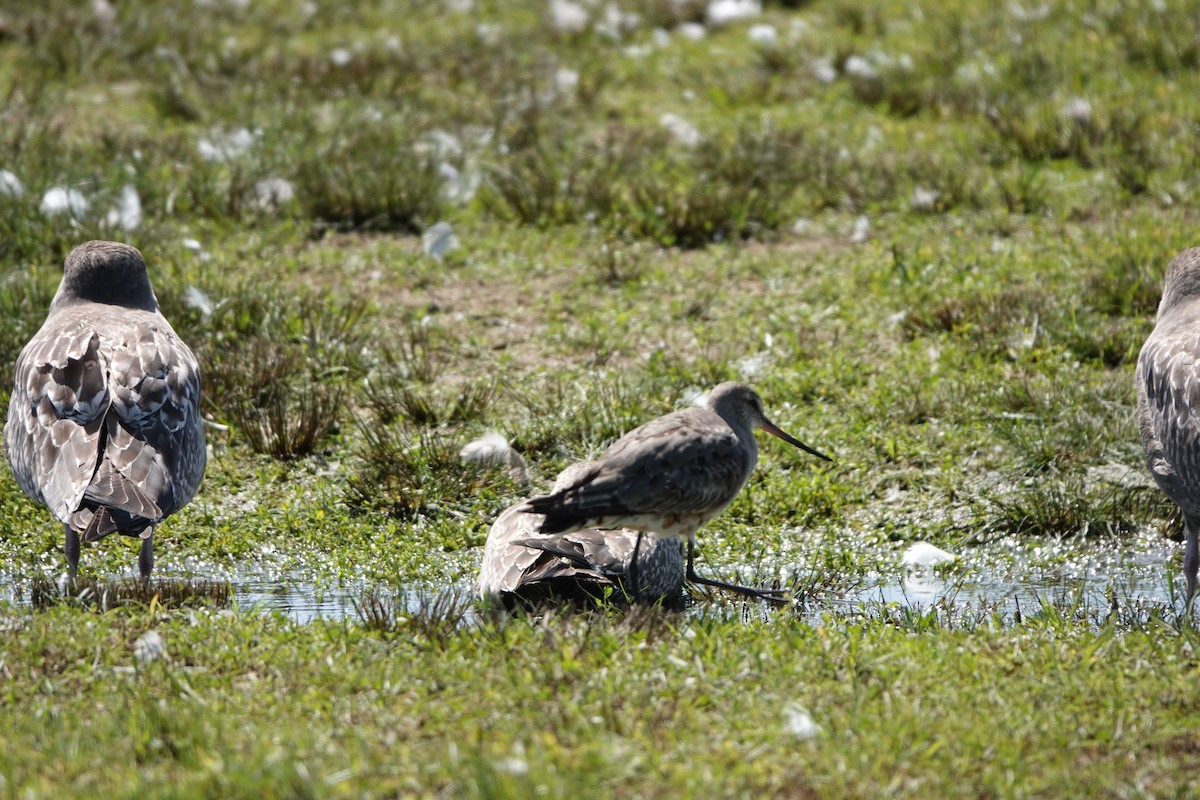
point(506, 559)
point(605, 552)
point(686, 462)
point(1168, 409)
point(154, 454)
point(56, 414)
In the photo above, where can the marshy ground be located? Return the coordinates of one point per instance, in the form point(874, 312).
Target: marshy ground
point(931, 235)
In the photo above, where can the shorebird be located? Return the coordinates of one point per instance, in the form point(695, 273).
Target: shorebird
point(670, 476)
point(1168, 400)
point(524, 567)
point(104, 426)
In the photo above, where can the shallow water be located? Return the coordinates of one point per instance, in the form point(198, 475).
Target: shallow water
point(1020, 576)
point(1003, 579)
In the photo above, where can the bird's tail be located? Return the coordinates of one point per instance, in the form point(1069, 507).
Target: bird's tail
point(558, 517)
point(93, 524)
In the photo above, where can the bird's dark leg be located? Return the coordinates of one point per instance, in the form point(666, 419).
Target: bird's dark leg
point(634, 589)
point(770, 595)
point(72, 549)
point(1191, 562)
point(146, 556)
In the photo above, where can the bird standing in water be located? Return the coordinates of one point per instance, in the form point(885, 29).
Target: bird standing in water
point(104, 425)
point(671, 475)
point(1168, 400)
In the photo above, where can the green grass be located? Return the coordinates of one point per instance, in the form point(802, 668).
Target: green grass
point(598, 707)
point(1025, 175)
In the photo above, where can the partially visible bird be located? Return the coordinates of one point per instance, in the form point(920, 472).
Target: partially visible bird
point(669, 476)
point(1168, 400)
point(524, 567)
point(104, 425)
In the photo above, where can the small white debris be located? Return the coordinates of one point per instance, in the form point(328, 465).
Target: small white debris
point(104, 14)
point(10, 185)
point(513, 766)
point(458, 186)
point(568, 17)
point(439, 240)
point(614, 22)
point(127, 214)
point(226, 146)
point(1078, 110)
point(680, 128)
point(274, 192)
point(443, 142)
point(195, 298)
point(925, 199)
point(149, 647)
point(923, 554)
point(1036, 14)
point(340, 56)
point(661, 37)
point(751, 367)
point(493, 450)
point(862, 230)
point(859, 67)
point(763, 35)
point(691, 30)
point(63, 200)
point(824, 71)
point(566, 80)
point(725, 12)
point(192, 244)
point(802, 226)
point(695, 396)
point(799, 723)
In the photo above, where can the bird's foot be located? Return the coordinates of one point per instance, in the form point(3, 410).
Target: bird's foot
point(776, 596)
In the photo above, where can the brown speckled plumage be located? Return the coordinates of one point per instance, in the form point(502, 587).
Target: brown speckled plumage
point(1168, 399)
point(104, 424)
point(522, 566)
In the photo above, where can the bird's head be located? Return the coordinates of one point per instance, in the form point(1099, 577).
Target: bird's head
point(1182, 283)
point(105, 272)
point(736, 401)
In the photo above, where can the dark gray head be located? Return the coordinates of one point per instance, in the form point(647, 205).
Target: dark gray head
point(1182, 283)
point(737, 401)
point(105, 272)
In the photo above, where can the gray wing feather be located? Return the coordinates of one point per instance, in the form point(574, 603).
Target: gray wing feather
point(1168, 384)
point(690, 461)
point(156, 435)
point(56, 414)
point(505, 559)
point(517, 555)
point(105, 408)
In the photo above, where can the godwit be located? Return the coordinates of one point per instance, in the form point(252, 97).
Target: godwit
point(1168, 400)
point(104, 427)
point(523, 566)
point(669, 476)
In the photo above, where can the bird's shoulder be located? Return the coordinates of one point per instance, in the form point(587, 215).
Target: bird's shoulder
point(60, 373)
point(1168, 369)
point(681, 435)
point(1168, 406)
point(155, 376)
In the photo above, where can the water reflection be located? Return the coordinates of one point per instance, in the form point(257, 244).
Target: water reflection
point(1000, 580)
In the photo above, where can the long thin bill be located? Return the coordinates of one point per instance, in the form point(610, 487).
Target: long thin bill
point(778, 434)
